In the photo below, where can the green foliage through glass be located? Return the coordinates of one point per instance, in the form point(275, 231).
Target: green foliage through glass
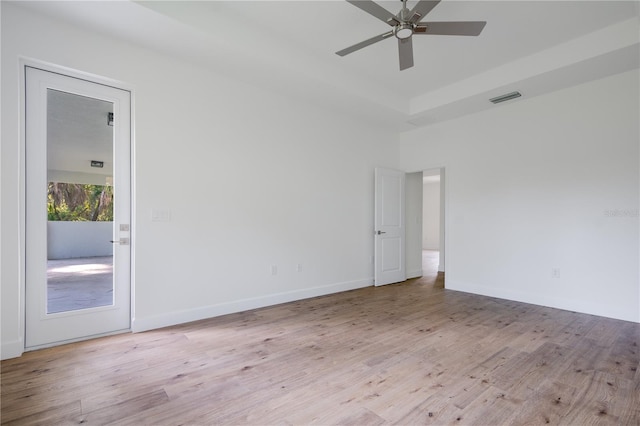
point(79, 202)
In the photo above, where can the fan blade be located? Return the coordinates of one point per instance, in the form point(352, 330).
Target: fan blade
point(365, 43)
point(405, 48)
point(421, 9)
point(376, 10)
point(462, 28)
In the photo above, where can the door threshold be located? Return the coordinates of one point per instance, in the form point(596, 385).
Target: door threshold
point(79, 339)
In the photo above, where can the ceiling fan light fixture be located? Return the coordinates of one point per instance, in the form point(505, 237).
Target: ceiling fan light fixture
point(403, 31)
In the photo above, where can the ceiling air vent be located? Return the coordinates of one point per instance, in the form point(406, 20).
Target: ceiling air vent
point(506, 97)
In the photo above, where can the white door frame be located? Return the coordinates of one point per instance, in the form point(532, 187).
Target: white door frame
point(23, 64)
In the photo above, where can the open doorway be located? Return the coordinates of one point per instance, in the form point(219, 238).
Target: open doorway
point(433, 223)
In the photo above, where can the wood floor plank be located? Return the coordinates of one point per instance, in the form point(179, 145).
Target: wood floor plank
point(548, 404)
point(547, 361)
point(596, 402)
point(411, 353)
point(435, 410)
point(492, 407)
point(49, 414)
point(123, 409)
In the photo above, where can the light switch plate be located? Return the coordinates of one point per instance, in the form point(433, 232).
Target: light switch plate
point(160, 215)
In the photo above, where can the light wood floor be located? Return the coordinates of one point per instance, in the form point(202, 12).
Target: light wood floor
point(411, 353)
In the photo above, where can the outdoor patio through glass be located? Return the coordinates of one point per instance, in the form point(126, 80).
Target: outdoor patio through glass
point(80, 198)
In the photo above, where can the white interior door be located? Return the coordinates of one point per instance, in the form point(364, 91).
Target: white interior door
point(78, 209)
point(390, 226)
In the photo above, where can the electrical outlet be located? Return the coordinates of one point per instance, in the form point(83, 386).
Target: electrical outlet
point(555, 272)
point(274, 269)
point(299, 267)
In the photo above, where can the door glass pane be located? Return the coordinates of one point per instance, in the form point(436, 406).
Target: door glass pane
point(80, 197)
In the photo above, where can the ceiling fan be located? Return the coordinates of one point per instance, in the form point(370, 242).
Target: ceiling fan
point(406, 23)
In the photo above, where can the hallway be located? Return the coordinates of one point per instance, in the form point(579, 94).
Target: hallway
point(430, 262)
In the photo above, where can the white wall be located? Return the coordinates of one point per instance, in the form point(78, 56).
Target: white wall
point(251, 179)
point(79, 239)
point(431, 216)
point(534, 185)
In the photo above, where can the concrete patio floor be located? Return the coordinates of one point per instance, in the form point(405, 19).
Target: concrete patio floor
point(79, 283)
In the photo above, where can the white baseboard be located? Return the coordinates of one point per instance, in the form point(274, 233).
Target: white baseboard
point(414, 274)
point(584, 307)
point(12, 349)
point(196, 314)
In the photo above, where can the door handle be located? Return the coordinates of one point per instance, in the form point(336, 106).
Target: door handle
point(123, 241)
point(380, 232)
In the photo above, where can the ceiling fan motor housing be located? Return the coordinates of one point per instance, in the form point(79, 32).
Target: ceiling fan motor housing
point(403, 31)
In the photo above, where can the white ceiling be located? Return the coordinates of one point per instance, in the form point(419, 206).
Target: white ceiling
point(289, 46)
point(78, 133)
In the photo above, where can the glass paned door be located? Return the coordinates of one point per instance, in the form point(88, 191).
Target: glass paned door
point(77, 224)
